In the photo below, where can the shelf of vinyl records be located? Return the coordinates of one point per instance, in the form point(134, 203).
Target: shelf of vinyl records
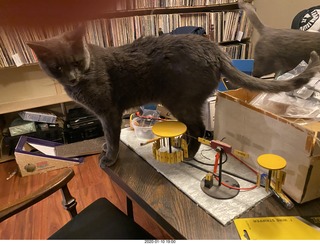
point(126, 5)
point(223, 27)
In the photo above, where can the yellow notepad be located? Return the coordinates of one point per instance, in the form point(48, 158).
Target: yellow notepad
point(279, 228)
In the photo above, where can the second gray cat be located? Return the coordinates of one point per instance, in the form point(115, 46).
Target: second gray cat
point(279, 50)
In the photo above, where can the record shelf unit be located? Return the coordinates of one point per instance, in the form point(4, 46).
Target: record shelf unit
point(24, 86)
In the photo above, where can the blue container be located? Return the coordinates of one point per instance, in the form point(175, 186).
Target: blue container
point(244, 65)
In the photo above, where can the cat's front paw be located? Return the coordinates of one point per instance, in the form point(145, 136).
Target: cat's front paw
point(105, 161)
point(192, 150)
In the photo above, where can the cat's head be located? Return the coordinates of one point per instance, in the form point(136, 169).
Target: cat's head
point(65, 58)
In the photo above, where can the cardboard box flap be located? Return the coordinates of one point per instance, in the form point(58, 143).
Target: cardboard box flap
point(312, 186)
point(310, 127)
point(26, 145)
point(241, 95)
point(314, 126)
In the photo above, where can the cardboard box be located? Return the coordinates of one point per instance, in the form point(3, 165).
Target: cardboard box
point(257, 131)
point(209, 112)
point(37, 116)
point(35, 156)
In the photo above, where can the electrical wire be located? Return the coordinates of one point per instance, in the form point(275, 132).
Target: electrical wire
point(223, 161)
point(224, 171)
point(209, 149)
point(217, 177)
point(198, 167)
point(241, 188)
point(241, 161)
point(227, 172)
point(238, 188)
point(203, 163)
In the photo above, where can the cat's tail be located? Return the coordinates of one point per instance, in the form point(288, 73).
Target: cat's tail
point(273, 86)
point(252, 15)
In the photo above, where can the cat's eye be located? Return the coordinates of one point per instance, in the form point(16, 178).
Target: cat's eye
point(59, 68)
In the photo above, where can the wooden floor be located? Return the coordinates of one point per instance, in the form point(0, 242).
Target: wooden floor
point(46, 217)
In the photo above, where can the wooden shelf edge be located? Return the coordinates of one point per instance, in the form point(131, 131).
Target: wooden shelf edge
point(91, 14)
point(33, 103)
point(170, 10)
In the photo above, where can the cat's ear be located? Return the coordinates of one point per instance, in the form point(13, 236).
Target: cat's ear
point(76, 34)
point(76, 38)
point(38, 48)
point(77, 41)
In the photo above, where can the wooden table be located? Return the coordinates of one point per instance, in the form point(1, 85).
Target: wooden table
point(176, 212)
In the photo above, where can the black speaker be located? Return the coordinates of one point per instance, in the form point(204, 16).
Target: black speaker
point(81, 125)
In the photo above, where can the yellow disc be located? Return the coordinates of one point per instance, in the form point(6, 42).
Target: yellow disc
point(271, 161)
point(169, 129)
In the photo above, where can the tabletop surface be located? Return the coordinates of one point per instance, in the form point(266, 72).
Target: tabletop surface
point(181, 217)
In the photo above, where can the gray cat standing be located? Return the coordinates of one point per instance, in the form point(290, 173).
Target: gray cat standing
point(178, 71)
point(279, 50)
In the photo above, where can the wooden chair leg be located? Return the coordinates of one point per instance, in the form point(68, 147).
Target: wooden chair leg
point(129, 208)
point(68, 201)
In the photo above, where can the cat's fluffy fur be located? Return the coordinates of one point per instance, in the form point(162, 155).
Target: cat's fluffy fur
point(178, 71)
point(279, 50)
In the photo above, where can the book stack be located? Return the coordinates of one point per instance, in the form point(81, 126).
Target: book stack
point(222, 27)
point(147, 4)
